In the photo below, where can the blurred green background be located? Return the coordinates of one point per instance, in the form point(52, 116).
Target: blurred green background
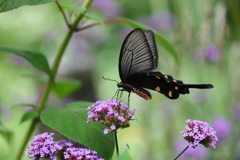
point(205, 34)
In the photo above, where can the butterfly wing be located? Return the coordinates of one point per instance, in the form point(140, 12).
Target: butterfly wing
point(138, 54)
point(164, 84)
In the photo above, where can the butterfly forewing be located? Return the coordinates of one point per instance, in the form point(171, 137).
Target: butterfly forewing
point(138, 54)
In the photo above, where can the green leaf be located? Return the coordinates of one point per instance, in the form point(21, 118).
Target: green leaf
point(73, 7)
point(94, 19)
point(7, 5)
point(164, 43)
point(23, 105)
point(71, 122)
point(7, 135)
point(63, 88)
point(37, 59)
point(124, 156)
point(29, 115)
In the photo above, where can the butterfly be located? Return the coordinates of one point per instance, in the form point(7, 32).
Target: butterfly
point(138, 58)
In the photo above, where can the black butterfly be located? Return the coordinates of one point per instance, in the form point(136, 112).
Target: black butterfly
point(138, 58)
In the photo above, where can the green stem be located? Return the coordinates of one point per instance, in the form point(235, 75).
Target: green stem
point(55, 66)
point(116, 142)
point(181, 153)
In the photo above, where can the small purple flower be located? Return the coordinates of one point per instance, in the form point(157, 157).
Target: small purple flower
point(109, 8)
point(113, 127)
point(110, 113)
point(212, 53)
point(199, 132)
point(42, 146)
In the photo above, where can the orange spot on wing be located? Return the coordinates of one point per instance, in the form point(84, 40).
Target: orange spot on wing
point(170, 93)
point(176, 87)
point(157, 89)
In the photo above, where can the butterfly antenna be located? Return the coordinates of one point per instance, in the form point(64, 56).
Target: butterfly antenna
point(109, 79)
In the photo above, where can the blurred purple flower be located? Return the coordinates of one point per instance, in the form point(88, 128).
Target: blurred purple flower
point(222, 126)
point(18, 60)
point(160, 21)
point(109, 8)
point(236, 111)
point(212, 53)
point(199, 132)
point(199, 153)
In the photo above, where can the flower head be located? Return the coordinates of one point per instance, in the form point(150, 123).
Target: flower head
point(42, 146)
point(199, 132)
point(110, 113)
point(80, 153)
point(213, 53)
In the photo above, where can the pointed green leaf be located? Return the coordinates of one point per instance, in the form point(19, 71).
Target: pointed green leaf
point(164, 43)
point(63, 88)
point(7, 5)
point(71, 122)
point(37, 59)
point(124, 156)
point(6, 134)
point(28, 116)
point(24, 105)
point(73, 7)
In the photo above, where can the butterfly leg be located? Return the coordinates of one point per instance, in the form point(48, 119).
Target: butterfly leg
point(116, 94)
point(128, 97)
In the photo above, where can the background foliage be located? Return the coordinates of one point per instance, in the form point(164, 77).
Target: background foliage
point(204, 34)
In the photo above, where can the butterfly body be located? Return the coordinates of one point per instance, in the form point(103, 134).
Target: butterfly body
point(138, 59)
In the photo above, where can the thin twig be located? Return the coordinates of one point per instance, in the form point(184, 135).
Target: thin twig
point(105, 22)
point(64, 15)
point(181, 153)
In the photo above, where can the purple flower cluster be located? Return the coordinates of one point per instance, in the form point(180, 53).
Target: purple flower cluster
point(43, 146)
point(110, 113)
point(199, 132)
point(80, 153)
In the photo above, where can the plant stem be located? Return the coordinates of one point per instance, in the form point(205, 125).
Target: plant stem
point(55, 66)
point(105, 22)
point(181, 153)
point(116, 142)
